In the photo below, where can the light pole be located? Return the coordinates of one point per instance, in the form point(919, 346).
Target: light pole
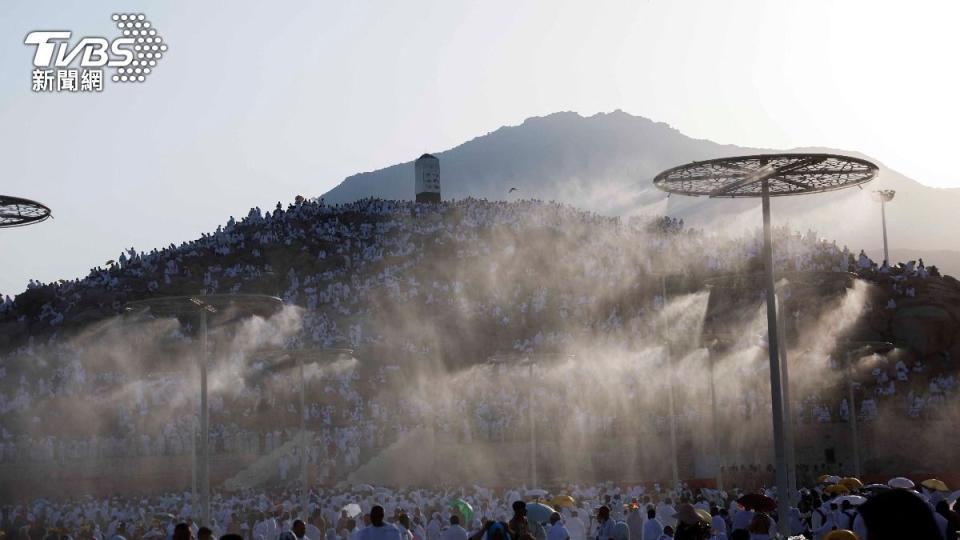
point(854, 351)
point(790, 450)
point(671, 406)
point(525, 359)
point(765, 176)
point(533, 430)
point(807, 282)
point(501, 359)
point(282, 360)
point(883, 196)
point(718, 452)
point(201, 306)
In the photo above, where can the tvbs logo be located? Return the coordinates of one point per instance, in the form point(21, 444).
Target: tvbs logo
point(92, 51)
point(133, 55)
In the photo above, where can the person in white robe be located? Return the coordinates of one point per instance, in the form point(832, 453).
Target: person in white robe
point(454, 531)
point(665, 512)
point(557, 531)
point(653, 528)
point(434, 527)
point(576, 527)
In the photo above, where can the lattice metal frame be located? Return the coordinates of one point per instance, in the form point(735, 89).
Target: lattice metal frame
point(864, 348)
point(171, 306)
point(203, 306)
point(795, 279)
point(284, 359)
point(514, 358)
point(18, 212)
point(786, 174)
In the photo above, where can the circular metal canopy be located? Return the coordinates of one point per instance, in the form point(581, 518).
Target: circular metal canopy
point(785, 174)
point(795, 279)
point(278, 360)
point(16, 212)
point(166, 306)
point(864, 348)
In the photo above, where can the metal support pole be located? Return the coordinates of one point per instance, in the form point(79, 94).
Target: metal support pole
point(533, 433)
point(674, 466)
point(883, 218)
point(193, 461)
point(787, 415)
point(773, 346)
point(204, 423)
point(854, 435)
point(714, 418)
point(304, 473)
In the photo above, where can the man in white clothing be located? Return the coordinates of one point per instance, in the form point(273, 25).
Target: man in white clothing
point(434, 527)
point(576, 527)
point(666, 511)
point(635, 522)
point(557, 531)
point(313, 530)
point(455, 531)
point(652, 529)
point(378, 529)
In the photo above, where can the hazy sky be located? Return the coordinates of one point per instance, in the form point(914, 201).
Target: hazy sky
point(257, 102)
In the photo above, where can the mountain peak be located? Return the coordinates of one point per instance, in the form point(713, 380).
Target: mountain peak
point(606, 163)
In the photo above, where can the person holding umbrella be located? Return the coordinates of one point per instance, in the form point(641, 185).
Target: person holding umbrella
point(692, 523)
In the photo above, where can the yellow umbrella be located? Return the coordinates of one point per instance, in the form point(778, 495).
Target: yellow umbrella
point(841, 534)
point(851, 483)
point(823, 479)
point(934, 484)
point(837, 489)
point(563, 501)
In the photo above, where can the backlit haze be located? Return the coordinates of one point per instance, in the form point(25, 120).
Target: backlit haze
point(256, 102)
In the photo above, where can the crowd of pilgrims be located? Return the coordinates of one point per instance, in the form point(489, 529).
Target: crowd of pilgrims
point(341, 264)
point(833, 509)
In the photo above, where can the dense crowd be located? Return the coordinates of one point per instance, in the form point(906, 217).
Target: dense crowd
point(833, 509)
point(522, 276)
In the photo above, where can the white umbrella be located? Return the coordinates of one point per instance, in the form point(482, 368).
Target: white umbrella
point(536, 493)
point(855, 500)
point(901, 483)
point(353, 510)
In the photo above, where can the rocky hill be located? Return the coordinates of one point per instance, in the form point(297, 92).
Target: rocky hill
point(605, 163)
point(426, 295)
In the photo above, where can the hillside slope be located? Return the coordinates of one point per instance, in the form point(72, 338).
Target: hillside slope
point(606, 163)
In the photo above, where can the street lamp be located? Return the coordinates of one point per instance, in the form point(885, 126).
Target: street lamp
point(282, 360)
point(807, 282)
point(765, 176)
point(883, 196)
point(232, 306)
point(713, 345)
point(855, 350)
point(722, 339)
point(528, 360)
point(671, 405)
